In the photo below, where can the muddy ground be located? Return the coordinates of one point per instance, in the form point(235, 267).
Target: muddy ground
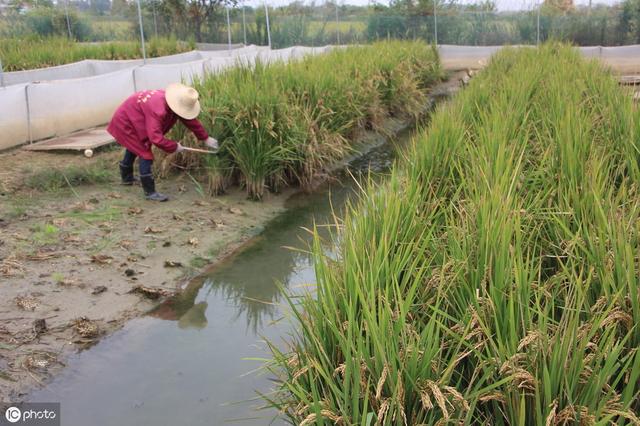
point(75, 265)
point(78, 260)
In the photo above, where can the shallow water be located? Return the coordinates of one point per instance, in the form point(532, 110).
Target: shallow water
point(191, 361)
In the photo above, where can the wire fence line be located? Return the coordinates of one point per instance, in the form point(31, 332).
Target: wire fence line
point(161, 27)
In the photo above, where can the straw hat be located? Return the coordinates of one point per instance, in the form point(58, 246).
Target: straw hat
point(183, 100)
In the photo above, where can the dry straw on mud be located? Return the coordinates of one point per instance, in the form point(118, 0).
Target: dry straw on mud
point(493, 279)
point(284, 123)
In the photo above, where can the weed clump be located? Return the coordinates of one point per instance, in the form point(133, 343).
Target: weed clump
point(55, 179)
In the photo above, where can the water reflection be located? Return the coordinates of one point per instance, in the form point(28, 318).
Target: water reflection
point(246, 281)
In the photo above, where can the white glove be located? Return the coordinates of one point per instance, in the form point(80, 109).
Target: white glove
point(180, 148)
point(212, 143)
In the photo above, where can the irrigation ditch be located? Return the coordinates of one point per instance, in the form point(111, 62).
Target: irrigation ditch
point(96, 232)
point(201, 349)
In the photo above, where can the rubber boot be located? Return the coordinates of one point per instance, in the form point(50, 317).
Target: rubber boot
point(126, 173)
point(149, 187)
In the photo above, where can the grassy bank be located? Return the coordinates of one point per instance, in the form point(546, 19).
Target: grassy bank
point(493, 279)
point(282, 124)
point(24, 54)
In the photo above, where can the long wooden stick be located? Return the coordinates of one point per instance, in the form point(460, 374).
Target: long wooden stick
point(203, 151)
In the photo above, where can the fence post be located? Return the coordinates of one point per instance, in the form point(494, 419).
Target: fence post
point(435, 21)
point(155, 19)
point(228, 29)
point(26, 95)
point(538, 27)
point(133, 76)
point(144, 51)
point(337, 24)
point(244, 25)
point(266, 14)
point(66, 13)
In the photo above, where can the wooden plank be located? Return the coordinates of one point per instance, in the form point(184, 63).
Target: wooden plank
point(79, 141)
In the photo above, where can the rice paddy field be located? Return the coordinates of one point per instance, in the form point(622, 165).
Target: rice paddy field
point(24, 53)
point(493, 278)
point(284, 124)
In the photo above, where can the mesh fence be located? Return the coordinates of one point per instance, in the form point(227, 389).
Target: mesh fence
point(111, 29)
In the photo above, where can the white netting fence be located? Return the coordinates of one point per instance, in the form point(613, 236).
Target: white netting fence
point(179, 39)
point(39, 104)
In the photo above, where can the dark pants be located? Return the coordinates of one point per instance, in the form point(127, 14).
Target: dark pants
point(145, 165)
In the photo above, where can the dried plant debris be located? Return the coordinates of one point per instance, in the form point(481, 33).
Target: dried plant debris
point(172, 264)
point(98, 290)
point(39, 326)
point(217, 223)
point(106, 226)
point(39, 361)
point(10, 267)
point(59, 222)
point(134, 211)
point(27, 303)
point(150, 293)
point(72, 239)
point(126, 244)
point(72, 283)
point(86, 328)
point(194, 242)
point(102, 259)
point(43, 255)
point(83, 206)
point(151, 230)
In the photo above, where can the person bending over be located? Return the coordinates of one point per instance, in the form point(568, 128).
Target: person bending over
point(142, 121)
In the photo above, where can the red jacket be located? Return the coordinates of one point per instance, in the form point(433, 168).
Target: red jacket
point(143, 119)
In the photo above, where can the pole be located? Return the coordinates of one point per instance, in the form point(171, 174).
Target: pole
point(244, 25)
point(26, 96)
point(66, 13)
point(202, 151)
point(337, 24)
point(144, 51)
point(155, 19)
point(228, 29)
point(435, 21)
point(1, 74)
point(538, 26)
point(266, 13)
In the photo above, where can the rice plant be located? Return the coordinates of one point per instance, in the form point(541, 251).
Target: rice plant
point(285, 123)
point(493, 279)
point(27, 53)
